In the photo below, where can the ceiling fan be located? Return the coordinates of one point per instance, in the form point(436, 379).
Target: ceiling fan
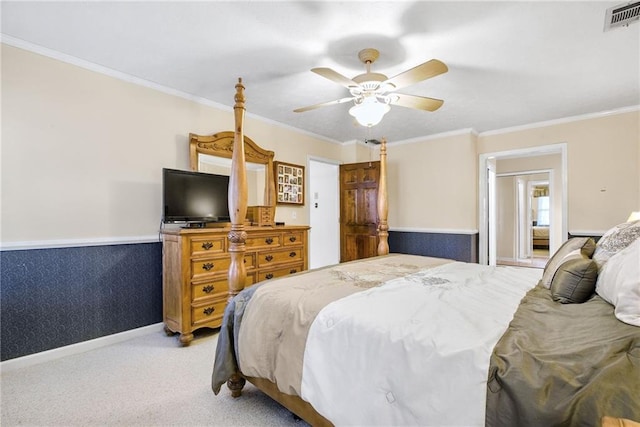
point(372, 93)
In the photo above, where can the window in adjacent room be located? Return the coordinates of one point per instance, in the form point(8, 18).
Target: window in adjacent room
point(543, 210)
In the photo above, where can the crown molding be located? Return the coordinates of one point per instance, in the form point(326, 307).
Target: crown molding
point(21, 44)
point(466, 131)
point(87, 65)
point(565, 120)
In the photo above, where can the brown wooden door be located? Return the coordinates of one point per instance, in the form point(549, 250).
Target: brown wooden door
point(358, 210)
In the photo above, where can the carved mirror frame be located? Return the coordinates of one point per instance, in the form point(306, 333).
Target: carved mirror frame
point(221, 145)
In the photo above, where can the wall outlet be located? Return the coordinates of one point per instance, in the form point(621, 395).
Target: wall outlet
point(294, 215)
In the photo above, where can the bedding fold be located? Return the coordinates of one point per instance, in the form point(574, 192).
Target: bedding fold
point(564, 364)
point(273, 335)
point(415, 350)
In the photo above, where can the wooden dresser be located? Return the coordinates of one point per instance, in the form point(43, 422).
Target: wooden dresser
point(195, 264)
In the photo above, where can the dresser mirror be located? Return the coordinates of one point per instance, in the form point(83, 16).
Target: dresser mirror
point(256, 175)
point(212, 154)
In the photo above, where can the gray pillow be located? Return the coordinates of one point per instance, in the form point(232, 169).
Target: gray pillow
point(576, 247)
point(575, 281)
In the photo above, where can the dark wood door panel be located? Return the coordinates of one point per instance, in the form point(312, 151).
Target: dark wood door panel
point(358, 246)
point(358, 210)
point(368, 212)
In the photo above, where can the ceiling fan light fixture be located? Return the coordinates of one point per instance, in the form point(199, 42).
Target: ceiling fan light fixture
point(369, 112)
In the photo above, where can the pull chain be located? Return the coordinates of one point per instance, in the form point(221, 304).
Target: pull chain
point(367, 139)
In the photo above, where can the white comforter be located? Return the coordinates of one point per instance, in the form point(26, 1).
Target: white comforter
point(416, 357)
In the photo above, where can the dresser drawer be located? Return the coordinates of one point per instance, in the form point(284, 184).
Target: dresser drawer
point(267, 258)
point(217, 288)
point(292, 238)
point(280, 272)
point(210, 266)
point(208, 312)
point(263, 241)
point(204, 246)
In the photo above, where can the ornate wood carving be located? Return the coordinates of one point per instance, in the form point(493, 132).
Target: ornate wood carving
point(238, 199)
point(221, 145)
point(383, 207)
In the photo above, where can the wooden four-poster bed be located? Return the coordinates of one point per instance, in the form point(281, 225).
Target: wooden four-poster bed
point(402, 339)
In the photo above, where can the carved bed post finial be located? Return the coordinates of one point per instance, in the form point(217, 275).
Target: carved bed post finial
point(238, 199)
point(383, 204)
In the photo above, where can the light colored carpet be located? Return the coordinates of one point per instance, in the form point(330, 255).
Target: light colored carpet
point(146, 381)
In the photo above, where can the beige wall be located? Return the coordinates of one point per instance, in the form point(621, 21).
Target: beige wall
point(82, 152)
point(356, 152)
point(433, 184)
point(602, 165)
point(82, 155)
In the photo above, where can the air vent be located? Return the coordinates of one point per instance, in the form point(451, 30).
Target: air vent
point(622, 15)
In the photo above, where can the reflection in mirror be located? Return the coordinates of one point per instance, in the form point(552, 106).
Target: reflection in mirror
point(217, 150)
point(256, 174)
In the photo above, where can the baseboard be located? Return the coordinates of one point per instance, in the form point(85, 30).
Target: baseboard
point(81, 347)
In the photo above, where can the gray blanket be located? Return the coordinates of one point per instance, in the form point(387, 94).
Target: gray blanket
point(225, 362)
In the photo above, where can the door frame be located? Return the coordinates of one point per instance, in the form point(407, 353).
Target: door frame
point(530, 185)
point(486, 240)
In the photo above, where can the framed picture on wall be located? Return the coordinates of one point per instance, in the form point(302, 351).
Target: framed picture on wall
point(289, 183)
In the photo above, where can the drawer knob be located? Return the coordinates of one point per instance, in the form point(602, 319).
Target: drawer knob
point(207, 289)
point(292, 254)
point(269, 276)
point(207, 245)
point(268, 240)
point(269, 257)
point(292, 239)
point(207, 266)
point(293, 270)
point(208, 310)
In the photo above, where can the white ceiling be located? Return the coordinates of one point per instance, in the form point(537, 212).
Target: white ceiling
point(510, 63)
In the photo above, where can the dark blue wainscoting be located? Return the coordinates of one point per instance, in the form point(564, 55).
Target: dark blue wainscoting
point(460, 247)
point(50, 298)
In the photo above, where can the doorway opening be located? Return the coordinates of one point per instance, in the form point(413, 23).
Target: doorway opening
point(524, 218)
point(488, 195)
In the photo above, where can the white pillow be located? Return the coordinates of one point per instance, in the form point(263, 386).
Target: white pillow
point(619, 283)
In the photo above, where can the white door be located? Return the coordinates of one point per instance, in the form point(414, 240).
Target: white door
point(324, 213)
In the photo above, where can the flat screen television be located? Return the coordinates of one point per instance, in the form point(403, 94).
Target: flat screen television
point(194, 197)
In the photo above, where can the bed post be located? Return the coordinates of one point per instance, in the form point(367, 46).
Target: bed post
point(383, 203)
point(238, 213)
point(237, 199)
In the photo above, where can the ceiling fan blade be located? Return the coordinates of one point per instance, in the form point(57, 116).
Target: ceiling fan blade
point(417, 102)
point(418, 73)
point(335, 76)
point(324, 104)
